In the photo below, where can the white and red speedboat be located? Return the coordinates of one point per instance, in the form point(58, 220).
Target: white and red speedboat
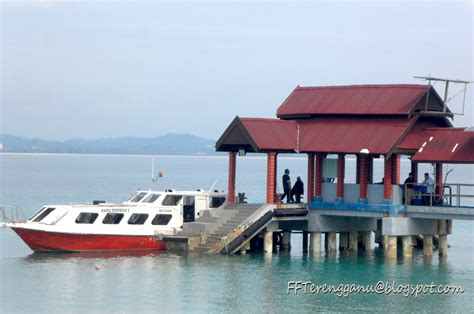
point(134, 225)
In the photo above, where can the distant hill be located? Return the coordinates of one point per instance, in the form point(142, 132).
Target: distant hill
point(172, 143)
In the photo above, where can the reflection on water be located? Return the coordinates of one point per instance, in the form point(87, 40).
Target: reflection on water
point(41, 257)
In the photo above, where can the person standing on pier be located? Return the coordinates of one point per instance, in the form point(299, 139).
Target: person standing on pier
point(409, 186)
point(287, 187)
point(429, 183)
point(298, 189)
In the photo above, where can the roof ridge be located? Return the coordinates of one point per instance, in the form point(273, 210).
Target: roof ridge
point(364, 86)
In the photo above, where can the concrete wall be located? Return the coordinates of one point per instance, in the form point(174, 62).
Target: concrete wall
point(351, 193)
point(321, 223)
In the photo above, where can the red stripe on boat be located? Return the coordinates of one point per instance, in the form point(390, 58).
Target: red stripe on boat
point(44, 241)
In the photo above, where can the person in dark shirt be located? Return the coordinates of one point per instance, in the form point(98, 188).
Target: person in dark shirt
point(410, 185)
point(298, 189)
point(287, 187)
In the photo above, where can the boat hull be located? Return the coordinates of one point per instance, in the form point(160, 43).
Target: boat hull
point(45, 241)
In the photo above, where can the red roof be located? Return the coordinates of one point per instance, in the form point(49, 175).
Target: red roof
point(449, 145)
point(351, 135)
point(335, 135)
point(271, 133)
point(354, 100)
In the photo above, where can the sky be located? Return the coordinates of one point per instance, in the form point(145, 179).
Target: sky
point(111, 69)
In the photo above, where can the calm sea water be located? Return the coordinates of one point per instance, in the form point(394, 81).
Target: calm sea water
point(168, 282)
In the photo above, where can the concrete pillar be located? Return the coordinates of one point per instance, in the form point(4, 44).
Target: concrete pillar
point(407, 246)
point(343, 241)
point(286, 240)
point(340, 177)
point(367, 240)
point(392, 246)
point(439, 180)
point(363, 178)
point(357, 169)
point(310, 192)
point(387, 180)
point(268, 241)
point(353, 240)
point(318, 177)
point(395, 169)
point(370, 169)
point(305, 241)
point(331, 240)
point(427, 245)
point(443, 245)
point(271, 175)
point(315, 242)
point(414, 170)
point(385, 242)
point(231, 178)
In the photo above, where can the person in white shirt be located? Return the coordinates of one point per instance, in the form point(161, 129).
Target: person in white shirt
point(429, 182)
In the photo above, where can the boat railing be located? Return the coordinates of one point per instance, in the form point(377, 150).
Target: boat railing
point(439, 194)
point(10, 213)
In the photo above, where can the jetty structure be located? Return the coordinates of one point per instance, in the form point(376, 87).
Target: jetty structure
point(328, 125)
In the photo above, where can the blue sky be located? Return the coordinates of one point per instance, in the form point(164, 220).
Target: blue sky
point(109, 69)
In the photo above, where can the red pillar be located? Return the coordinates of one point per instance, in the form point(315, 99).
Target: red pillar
point(414, 170)
point(310, 194)
point(231, 183)
point(340, 176)
point(318, 178)
point(439, 178)
point(387, 180)
point(363, 177)
point(370, 169)
point(357, 169)
point(395, 169)
point(271, 177)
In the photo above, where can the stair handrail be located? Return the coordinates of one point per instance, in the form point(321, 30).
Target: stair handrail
point(11, 214)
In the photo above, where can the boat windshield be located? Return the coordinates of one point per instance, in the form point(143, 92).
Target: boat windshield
point(151, 198)
point(137, 197)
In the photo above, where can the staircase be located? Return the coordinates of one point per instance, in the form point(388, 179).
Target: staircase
point(237, 214)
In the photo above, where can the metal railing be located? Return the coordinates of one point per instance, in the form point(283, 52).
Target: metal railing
point(452, 194)
point(11, 213)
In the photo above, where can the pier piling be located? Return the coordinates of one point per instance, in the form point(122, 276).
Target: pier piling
point(331, 241)
point(286, 240)
point(407, 246)
point(353, 240)
point(343, 241)
point(305, 241)
point(268, 241)
point(392, 246)
point(367, 240)
point(443, 245)
point(315, 242)
point(427, 245)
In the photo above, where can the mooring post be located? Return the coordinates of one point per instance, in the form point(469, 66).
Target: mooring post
point(427, 245)
point(407, 246)
point(331, 242)
point(315, 242)
point(353, 240)
point(343, 241)
point(268, 241)
point(286, 240)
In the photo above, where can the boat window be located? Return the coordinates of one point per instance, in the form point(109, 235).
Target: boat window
point(86, 218)
point(161, 219)
point(151, 198)
point(37, 212)
point(216, 201)
point(112, 219)
point(171, 200)
point(137, 219)
point(138, 197)
point(45, 213)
